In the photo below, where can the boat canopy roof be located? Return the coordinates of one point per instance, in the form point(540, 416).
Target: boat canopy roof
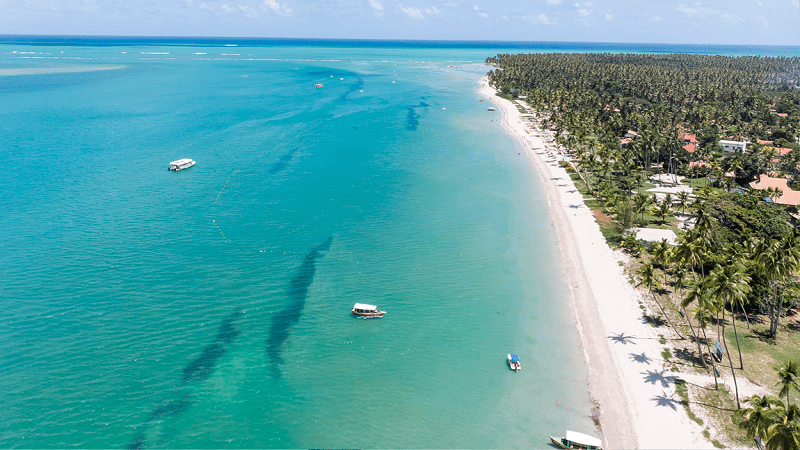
point(583, 439)
point(514, 357)
point(180, 162)
point(365, 307)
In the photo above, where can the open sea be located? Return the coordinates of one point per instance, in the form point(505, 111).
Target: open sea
point(210, 308)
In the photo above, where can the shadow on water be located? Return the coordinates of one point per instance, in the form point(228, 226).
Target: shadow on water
point(297, 292)
point(282, 162)
point(172, 407)
point(201, 367)
point(359, 84)
point(198, 369)
point(412, 119)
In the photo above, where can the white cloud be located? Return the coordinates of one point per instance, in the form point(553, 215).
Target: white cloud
point(225, 7)
point(433, 11)
point(377, 8)
point(205, 6)
point(583, 12)
point(544, 19)
point(475, 7)
point(577, 5)
point(505, 17)
point(796, 3)
point(554, 2)
point(248, 11)
point(763, 21)
point(609, 16)
point(412, 13)
point(698, 10)
point(732, 18)
point(655, 19)
point(588, 4)
point(450, 4)
point(272, 4)
point(484, 15)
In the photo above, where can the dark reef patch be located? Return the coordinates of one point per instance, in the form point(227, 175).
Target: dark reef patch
point(172, 407)
point(201, 367)
point(285, 319)
point(283, 162)
point(412, 120)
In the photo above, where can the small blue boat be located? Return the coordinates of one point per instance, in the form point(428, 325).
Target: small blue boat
point(513, 362)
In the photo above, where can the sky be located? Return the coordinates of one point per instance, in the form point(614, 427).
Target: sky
point(759, 22)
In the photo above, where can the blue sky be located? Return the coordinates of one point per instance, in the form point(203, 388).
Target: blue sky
point(775, 22)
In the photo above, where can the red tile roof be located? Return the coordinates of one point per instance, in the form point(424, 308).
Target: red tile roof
point(789, 196)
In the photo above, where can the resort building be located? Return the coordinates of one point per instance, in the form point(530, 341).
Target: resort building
point(732, 146)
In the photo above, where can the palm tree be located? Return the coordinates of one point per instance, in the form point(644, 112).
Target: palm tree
point(683, 200)
point(679, 274)
point(661, 254)
point(783, 433)
point(789, 376)
point(777, 260)
point(662, 211)
point(648, 275)
point(728, 284)
point(756, 420)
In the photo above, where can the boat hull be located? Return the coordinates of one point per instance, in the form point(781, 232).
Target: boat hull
point(177, 168)
point(557, 442)
point(377, 314)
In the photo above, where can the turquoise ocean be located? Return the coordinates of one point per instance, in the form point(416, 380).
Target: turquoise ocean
point(210, 308)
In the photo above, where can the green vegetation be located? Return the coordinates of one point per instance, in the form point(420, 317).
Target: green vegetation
point(732, 277)
point(683, 393)
point(775, 423)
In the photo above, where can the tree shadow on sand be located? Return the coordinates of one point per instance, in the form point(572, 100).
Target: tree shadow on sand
point(641, 358)
point(666, 400)
point(689, 356)
point(622, 339)
point(658, 322)
point(653, 377)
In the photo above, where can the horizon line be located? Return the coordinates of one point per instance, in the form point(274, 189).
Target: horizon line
point(328, 39)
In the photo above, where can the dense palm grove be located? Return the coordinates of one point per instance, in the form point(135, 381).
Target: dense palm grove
point(623, 118)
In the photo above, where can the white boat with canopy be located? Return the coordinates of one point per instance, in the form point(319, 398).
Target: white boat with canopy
point(364, 310)
point(513, 362)
point(574, 439)
point(181, 164)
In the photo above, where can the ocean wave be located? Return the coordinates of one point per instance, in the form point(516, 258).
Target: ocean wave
point(154, 53)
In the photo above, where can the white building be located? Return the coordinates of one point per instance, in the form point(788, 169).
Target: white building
point(732, 146)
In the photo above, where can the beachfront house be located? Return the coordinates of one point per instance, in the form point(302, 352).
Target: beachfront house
point(729, 147)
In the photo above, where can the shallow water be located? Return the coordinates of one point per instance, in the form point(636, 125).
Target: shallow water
point(210, 307)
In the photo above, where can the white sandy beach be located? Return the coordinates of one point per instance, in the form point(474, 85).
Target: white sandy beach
point(635, 393)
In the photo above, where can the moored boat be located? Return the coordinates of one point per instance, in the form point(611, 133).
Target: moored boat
point(318, 85)
point(181, 164)
point(363, 310)
point(574, 439)
point(513, 362)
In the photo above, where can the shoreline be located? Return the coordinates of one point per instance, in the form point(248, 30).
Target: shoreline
point(636, 398)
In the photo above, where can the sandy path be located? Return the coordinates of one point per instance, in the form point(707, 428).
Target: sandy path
point(636, 395)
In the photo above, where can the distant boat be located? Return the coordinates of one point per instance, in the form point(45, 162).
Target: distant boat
point(577, 440)
point(181, 164)
point(362, 310)
point(318, 85)
point(513, 362)
point(490, 109)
